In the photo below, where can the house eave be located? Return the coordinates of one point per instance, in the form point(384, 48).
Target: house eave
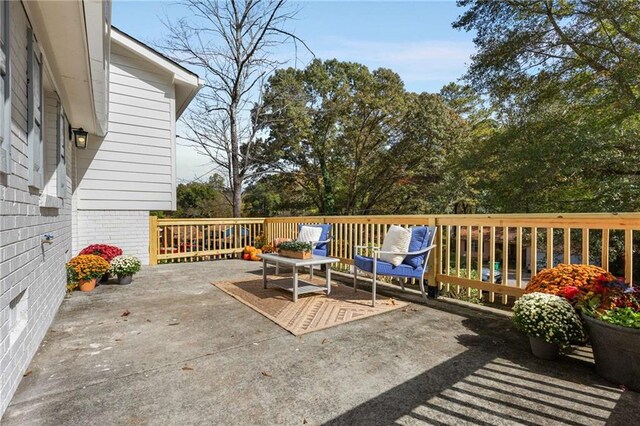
point(72, 35)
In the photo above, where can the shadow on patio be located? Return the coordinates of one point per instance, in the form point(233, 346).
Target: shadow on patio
point(491, 383)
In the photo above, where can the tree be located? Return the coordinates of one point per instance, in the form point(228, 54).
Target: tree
point(231, 42)
point(202, 199)
point(355, 141)
point(563, 78)
point(589, 50)
point(277, 194)
point(330, 124)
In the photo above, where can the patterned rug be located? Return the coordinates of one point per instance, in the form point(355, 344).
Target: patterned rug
point(312, 311)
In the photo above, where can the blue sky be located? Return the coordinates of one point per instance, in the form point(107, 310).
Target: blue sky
point(415, 39)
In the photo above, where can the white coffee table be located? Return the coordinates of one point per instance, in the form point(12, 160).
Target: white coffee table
point(306, 287)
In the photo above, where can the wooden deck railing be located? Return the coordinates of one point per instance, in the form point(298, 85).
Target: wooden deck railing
point(185, 240)
point(496, 254)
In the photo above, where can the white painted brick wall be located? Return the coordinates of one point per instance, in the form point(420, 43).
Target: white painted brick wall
point(127, 229)
point(25, 263)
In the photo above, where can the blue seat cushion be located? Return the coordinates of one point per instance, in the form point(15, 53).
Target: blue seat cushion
point(420, 239)
point(320, 252)
point(385, 268)
point(320, 249)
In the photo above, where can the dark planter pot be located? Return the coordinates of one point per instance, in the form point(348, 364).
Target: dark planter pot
point(105, 278)
point(543, 349)
point(125, 279)
point(616, 351)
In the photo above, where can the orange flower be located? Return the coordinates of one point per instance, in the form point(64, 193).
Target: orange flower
point(86, 267)
point(556, 280)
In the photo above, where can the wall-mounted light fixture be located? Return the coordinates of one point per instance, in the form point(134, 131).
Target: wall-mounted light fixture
point(81, 137)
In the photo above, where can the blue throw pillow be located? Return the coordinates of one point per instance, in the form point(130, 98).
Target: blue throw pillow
point(420, 237)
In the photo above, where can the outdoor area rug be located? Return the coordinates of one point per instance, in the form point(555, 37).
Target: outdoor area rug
point(312, 311)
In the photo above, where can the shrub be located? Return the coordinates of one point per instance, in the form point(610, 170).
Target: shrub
point(472, 295)
point(571, 281)
point(125, 265)
point(298, 246)
point(105, 251)
point(548, 316)
point(86, 267)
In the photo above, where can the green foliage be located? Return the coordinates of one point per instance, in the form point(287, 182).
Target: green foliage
point(563, 80)
point(471, 295)
point(347, 140)
point(294, 245)
point(202, 199)
point(624, 317)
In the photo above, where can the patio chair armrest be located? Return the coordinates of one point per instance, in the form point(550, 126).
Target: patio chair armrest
point(408, 253)
point(321, 242)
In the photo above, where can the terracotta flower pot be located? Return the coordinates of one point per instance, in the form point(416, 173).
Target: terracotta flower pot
point(543, 349)
point(87, 285)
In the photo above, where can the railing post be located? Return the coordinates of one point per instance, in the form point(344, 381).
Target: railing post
point(266, 230)
point(153, 240)
point(433, 261)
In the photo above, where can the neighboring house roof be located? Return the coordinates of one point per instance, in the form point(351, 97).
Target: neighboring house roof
point(187, 83)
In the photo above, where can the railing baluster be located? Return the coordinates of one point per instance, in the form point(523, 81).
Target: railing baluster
point(628, 256)
point(549, 247)
point(567, 246)
point(605, 249)
point(533, 259)
point(458, 244)
point(468, 257)
point(480, 263)
point(505, 261)
point(492, 260)
point(585, 246)
point(519, 257)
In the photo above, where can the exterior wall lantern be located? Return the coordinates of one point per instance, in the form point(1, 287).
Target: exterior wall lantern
point(80, 137)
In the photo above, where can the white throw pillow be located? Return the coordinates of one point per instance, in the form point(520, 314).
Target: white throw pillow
point(396, 240)
point(310, 234)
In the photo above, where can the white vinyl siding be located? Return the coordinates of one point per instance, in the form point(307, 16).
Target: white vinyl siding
point(133, 166)
point(35, 97)
point(5, 88)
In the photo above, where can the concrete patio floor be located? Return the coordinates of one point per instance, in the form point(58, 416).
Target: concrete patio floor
point(187, 353)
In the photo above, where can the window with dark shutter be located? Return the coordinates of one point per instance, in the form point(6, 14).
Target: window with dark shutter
point(35, 99)
point(5, 90)
point(61, 177)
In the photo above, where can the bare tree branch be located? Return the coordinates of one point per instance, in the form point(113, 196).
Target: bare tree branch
point(231, 41)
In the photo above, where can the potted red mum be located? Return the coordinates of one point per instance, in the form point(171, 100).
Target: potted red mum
point(105, 251)
point(612, 315)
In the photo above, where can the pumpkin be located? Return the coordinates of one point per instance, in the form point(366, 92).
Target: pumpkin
point(254, 255)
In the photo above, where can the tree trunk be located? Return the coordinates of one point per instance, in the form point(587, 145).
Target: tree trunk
point(328, 197)
point(236, 185)
point(237, 200)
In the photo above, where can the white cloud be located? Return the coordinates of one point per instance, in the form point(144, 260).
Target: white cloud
point(423, 65)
